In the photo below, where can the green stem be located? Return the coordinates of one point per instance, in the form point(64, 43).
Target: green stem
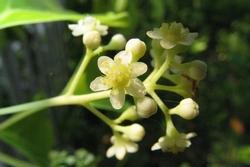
point(100, 115)
point(76, 77)
point(158, 100)
point(161, 70)
point(150, 76)
point(170, 130)
point(56, 101)
point(166, 88)
point(14, 162)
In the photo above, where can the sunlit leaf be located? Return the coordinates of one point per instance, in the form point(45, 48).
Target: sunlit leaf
point(13, 13)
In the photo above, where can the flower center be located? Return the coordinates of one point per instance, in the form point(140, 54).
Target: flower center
point(118, 76)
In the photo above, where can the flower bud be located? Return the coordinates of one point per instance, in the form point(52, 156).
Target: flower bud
point(146, 107)
point(187, 109)
point(136, 47)
point(129, 114)
point(92, 39)
point(117, 42)
point(197, 70)
point(134, 132)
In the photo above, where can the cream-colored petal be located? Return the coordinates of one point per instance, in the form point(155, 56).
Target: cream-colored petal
point(110, 152)
point(76, 29)
point(98, 85)
point(167, 44)
point(131, 147)
point(136, 88)
point(155, 34)
point(156, 146)
point(120, 152)
point(190, 135)
point(102, 29)
point(123, 57)
point(138, 69)
point(189, 39)
point(117, 98)
point(104, 64)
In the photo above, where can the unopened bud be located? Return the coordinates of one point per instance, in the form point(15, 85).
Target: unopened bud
point(198, 70)
point(92, 39)
point(136, 47)
point(187, 109)
point(117, 42)
point(146, 107)
point(134, 132)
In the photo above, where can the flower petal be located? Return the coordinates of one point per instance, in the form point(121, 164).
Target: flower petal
point(110, 152)
point(123, 57)
point(156, 146)
point(190, 135)
point(138, 69)
point(189, 39)
point(154, 34)
point(167, 44)
point(117, 98)
point(136, 88)
point(131, 147)
point(104, 64)
point(98, 85)
point(120, 152)
point(76, 29)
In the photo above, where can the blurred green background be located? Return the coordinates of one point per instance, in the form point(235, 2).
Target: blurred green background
point(37, 60)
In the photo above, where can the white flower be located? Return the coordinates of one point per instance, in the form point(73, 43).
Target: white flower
point(121, 145)
point(175, 143)
point(120, 76)
point(86, 25)
point(187, 109)
point(172, 34)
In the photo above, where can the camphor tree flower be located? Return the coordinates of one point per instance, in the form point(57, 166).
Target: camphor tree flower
point(176, 143)
point(172, 34)
point(121, 145)
point(173, 141)
point(120, 76)
point(86, 25)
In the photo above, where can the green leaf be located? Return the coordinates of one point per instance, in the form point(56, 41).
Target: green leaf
point(32, 137)
point(13, 13)
point(243, 154)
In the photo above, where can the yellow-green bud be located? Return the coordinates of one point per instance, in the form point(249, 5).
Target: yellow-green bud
point(146, 107)
point(136, 47)
point(187, 109)
point(197, 70)
point(134, 132)
point(117, 42)
point(92, 39)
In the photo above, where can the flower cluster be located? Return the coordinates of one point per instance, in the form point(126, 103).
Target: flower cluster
point(120, 76)
point(167, 43)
